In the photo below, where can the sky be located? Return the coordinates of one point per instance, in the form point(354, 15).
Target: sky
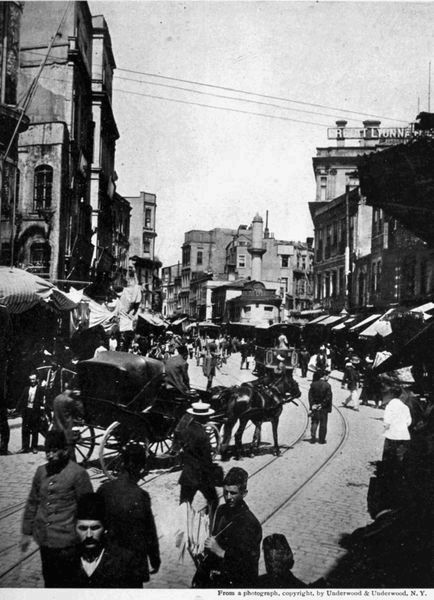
point(218, 167)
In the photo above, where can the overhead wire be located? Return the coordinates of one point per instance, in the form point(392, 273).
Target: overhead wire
point(237, 110)
point(250, 93)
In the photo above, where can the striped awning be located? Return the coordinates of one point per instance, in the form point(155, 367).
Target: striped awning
point(21, 291)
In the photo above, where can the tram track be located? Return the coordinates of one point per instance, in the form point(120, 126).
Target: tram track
point(298, 437)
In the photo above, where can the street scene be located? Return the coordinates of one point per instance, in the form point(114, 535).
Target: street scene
point(217, 297)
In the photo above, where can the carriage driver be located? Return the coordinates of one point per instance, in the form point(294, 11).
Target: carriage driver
point(177, 381)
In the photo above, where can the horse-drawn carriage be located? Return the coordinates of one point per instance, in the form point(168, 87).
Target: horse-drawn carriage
point(122, 401)
point(268, 347)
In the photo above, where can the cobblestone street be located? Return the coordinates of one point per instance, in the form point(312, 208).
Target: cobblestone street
point(331, 504)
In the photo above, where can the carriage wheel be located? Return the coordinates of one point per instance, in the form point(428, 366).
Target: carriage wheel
point(156, 449)
point(213, 433)
point(110, 451)
point(85, 442)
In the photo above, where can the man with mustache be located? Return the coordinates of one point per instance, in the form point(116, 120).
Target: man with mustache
point(96, 563)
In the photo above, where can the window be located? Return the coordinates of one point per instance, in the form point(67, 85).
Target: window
point(268, 308)
point(43, 187)
point(323, 189)
point(186, 256)
point(40, 254)
point(285, 260)
point(284, 283)
point(148, 218)
point(199, 257)
point(241, 261)
point(146, 245)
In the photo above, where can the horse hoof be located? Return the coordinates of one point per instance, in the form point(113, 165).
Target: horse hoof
point(277, 453)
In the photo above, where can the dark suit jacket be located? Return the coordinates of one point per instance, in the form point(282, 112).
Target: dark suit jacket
point(118, 569)
point(196, 457)
point(39, 399)
point(320, 392)
point(130, 522)
point(239, 533)
point(177, 374)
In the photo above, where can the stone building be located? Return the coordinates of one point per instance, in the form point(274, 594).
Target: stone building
point(142, 248)
point(12, 122)
point(350, 244)
point(54, 230)
point(171, 288)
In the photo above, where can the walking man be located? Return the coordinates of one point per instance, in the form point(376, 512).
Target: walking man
point(51, 507)
point(29, 405)
point(320, 404)
point(232, 551)
point(304, 358)
point(67, 407)
point(352, 380)
point(128, 513)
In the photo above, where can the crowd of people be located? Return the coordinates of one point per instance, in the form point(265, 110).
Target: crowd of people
point(109, 538)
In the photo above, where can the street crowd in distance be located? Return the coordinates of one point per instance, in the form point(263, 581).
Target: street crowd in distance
point(108, 538)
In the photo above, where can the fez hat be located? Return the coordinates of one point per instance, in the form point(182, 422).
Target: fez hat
point(134, 453)
point(200, 409)
point(277, 541)
point(55, 440)
point(90, 507)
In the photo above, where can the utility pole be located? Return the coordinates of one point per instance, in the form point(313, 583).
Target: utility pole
point(347, 266)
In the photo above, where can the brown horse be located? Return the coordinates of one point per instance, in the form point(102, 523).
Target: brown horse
point(257, 401)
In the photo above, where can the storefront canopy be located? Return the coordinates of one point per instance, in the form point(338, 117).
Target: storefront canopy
point(346, 324)
point(20, 291)
point(364, 324)
point(331, 320)
point(318, 320)
point(419, 349)
point(381, 327)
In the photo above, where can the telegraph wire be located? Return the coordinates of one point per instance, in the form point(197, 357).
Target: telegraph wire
point(175, 87)
point(230, 89)
point(266, 96)
point(237, 110)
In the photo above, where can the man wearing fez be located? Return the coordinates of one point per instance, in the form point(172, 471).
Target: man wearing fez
point(96, 563)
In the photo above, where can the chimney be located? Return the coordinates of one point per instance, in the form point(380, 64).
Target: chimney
point(257, 248)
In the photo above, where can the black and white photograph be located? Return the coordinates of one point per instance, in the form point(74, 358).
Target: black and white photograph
point(217, 298)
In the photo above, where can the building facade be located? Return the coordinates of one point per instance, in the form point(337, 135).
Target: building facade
point(12, 122)
point(171, 289)
point(54, 228)
point(142, 248)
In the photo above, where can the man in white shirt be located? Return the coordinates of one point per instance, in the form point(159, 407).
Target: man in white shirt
point(397, 419)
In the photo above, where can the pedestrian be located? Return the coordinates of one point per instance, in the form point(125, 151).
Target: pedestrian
point(397, 420)
point(30, 405)
point(321, 361)
point(352, 380)
point(51, 508)
point(113, 343)
point(4, 427)
point(244, 350)
point(304, 358)
point(128, 514)
point(320, 404)
point(100, 349)
point(279, 560)
point(97, 563)
point(67, 408)
point(209, 364)
point(198, 470)
point(232, 551)
point(177, 380)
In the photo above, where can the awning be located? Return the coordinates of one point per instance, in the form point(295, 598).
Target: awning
point(365, 322)
point(179, 321)
point(314, 311)
point(419, 348)
point(317, 320)
point(331, 319)
point(154, 320)
point(344, 324)
point(21, 291)
point(381, 327)
point(425, 309)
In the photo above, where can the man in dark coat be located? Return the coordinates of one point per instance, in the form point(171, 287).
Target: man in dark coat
point(304, 358)
point(197, 465)
point(67, 407)
point(128, 514)
point(51, 507)
point(96, 563)
point(177, 378)
point(233, 549)
point(320, 404)
point(29, 405)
